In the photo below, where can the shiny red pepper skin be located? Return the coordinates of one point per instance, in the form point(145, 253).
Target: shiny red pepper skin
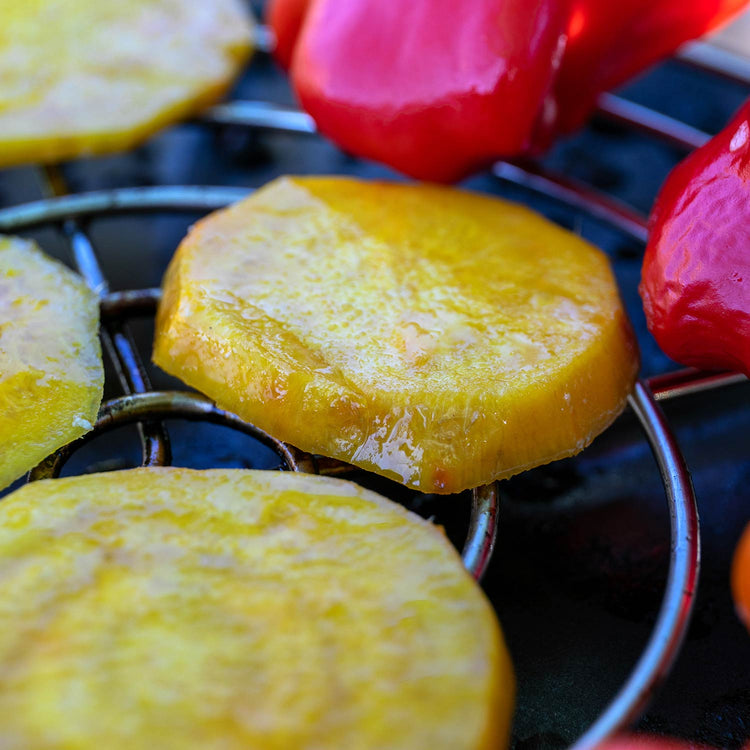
point(609, 42)
point(357, 64)
point(285, 17)
point(433, 92)
point(695, 281)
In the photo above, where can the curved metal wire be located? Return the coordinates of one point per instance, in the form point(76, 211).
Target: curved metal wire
point(159, 405)
point(482, 534)
point(574, 195)
point(483, 525)
point(689, 381)
point(530, 175)
point(663, 127)
point(253, 114)
point(679, 595)
point(716, 60)
point(123, 200)
point(117, 339)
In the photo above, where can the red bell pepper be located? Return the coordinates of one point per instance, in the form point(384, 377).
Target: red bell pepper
point(285, 18)
point(437, 89)
point(430, 89)
point(695, 281)
point(608, 43)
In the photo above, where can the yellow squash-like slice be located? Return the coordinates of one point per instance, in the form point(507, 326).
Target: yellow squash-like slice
point(94, 76)
point(51, 374)
point(438, 337)
point(227, 610)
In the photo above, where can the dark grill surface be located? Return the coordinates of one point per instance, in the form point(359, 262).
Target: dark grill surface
point(582, 552)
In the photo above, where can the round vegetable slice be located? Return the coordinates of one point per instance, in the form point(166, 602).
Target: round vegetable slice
point(239, 609)
point(89, 77)
point(438, 337)
point(51, 373)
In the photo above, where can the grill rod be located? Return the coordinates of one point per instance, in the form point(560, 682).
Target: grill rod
point(530, 175)
point(649, 122)
point(115, 335)
point(679, 596)
point(713, 59)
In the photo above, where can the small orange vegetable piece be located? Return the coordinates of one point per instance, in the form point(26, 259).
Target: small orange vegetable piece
point(438, 337)
point(88, 77)
point(51, 373)
point(229, 610)
point(741, 578)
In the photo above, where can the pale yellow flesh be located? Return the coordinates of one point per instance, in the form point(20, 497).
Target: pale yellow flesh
point(180, 609)
point(441, 338)
point(51, 372)
point(93, 76)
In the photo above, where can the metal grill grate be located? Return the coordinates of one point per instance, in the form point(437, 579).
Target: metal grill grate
point(148, 408)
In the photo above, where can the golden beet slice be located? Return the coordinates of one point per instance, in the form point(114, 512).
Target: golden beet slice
point(438, 337)
point(90, 76)
point(51, 374)
point(238, 609)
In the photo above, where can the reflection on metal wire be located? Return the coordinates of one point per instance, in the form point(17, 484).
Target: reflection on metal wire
point(679, 596)
point(649, 122)
point(721, 62)
point(161, 405)
point(123, 200)
point(116, 338)
point(158, 405)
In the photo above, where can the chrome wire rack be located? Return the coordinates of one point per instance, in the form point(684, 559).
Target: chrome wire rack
point(148, 408)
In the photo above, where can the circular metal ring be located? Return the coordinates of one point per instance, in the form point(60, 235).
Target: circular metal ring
point(679, 595)
point(123, 200)
point(158, 405)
